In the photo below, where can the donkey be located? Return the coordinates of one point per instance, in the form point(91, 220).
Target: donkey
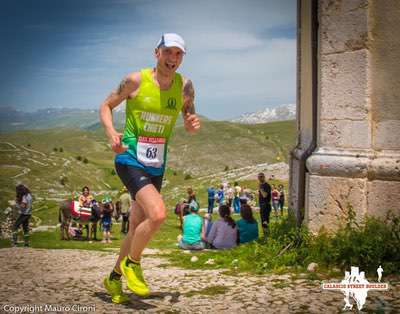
point(65, 219)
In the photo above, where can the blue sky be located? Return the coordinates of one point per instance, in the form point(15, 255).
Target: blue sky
point(67, 53)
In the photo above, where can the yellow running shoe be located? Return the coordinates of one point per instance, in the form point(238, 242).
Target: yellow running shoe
point(134, 278)
point(114, 288)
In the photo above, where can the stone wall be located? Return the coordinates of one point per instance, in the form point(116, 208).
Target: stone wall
point(357, 160)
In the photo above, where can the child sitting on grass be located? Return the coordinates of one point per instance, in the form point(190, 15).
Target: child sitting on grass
point(192, 228)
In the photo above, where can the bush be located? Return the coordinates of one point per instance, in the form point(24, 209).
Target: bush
point(55, 149)
point(226, 168)
point(63, 180)
point(113, 173)
point(373, 243)
point(187, 177)
point(60, 149)
point(85, 160)
point(79, 158)
point(368, 245)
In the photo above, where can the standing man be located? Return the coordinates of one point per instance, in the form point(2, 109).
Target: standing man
point(23, 202)
point(125, 201)
point(211, 199)
point(154, 97)
point(264, 199)
point(236, 199)
point(229, 195)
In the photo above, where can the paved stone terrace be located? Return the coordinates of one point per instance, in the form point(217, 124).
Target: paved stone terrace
point(67, 277)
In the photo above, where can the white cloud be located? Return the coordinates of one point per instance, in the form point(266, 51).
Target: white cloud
point(235, 67)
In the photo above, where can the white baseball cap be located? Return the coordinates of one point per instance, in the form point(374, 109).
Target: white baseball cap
point(172, 40)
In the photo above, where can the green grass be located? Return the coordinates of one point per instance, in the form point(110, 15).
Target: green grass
point(51, 240)
point(55, 174)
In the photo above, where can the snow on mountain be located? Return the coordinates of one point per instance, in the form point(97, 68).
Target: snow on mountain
point(283, 112)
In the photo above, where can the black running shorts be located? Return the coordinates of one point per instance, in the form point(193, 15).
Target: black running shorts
point(135, 178)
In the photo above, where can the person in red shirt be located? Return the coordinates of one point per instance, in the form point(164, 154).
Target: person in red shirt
point(275, 200)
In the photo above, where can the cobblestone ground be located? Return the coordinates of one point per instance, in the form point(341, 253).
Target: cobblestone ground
point(67, 277)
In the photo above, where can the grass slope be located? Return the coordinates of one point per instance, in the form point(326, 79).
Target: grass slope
point(224, 144)
point(56, 162)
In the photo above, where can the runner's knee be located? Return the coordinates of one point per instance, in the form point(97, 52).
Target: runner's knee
point(158, 216)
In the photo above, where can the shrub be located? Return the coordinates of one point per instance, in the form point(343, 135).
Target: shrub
point(60, 149)
point(113, 173)
point(63, 180)
point(79, 158)
point(55, 149)
point(368, 245)
point(226, 168)
point(85, 160)
point(187, 177)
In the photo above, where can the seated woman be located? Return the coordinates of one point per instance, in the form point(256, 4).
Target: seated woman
point(223, 233)
point(192, 227)
point(85, 199)
point(247, 226)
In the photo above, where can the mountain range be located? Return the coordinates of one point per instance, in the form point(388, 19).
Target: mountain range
point(12, 119)
point(280, 113)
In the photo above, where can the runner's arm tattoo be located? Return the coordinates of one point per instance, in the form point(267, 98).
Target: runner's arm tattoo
point(188, 98)
point(122, 86)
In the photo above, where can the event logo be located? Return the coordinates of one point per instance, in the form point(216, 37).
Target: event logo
point(171, 103)
point(356, 286)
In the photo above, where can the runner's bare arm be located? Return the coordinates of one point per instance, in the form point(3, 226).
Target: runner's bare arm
point(191, 121)
point(126, 88)
point(188, 97)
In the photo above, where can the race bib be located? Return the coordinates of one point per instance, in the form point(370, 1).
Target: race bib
point(150, 151)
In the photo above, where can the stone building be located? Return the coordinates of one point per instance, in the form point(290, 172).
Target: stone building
point(348, 111)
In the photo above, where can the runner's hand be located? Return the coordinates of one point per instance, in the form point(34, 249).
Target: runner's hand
point(115, 139)
point(191, 122)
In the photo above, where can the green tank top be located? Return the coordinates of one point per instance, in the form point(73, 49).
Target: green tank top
point(150, 118)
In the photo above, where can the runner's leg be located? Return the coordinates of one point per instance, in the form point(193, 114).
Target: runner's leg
point(135, 218)
point(150, 200)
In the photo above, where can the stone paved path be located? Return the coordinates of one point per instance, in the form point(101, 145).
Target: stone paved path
point(67, 277)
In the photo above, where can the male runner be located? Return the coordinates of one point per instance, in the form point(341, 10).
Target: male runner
point(154, 98)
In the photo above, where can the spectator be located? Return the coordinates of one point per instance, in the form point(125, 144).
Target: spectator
point(236, 199)
point(211, 199)
point(229, 195)
point(243, 197)
point(275, 200)
point(281, 198)
point(221, 196)
point(207, 224)
point(125, 203)
point(106, 220)
point(264, 199)
point(23, 202)
point(247, 226)
point(223, 233)
point(191, 195)
point(192, 228)
point(85, 199)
